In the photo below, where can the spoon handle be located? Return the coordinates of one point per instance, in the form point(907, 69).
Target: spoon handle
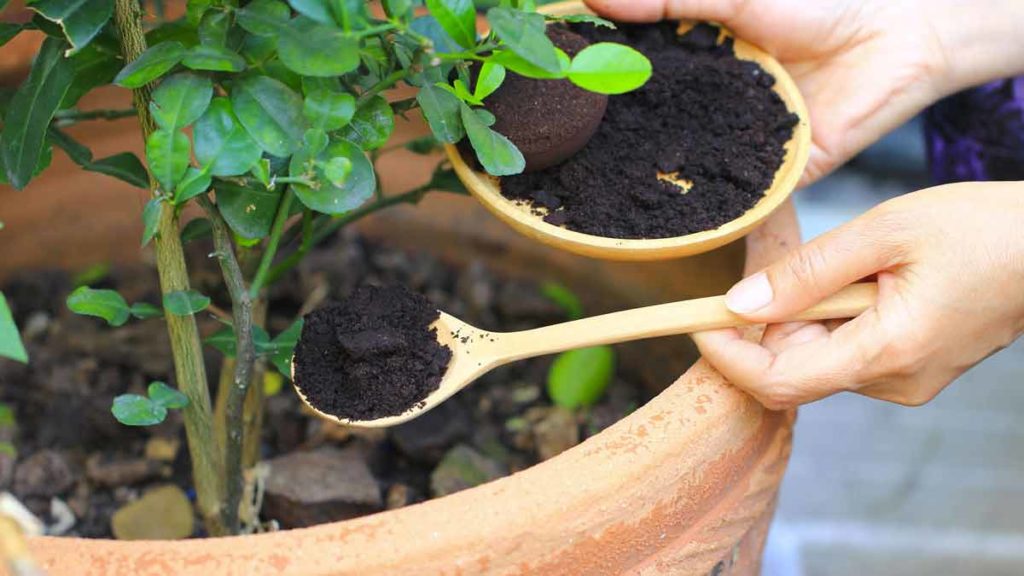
point(668, 319)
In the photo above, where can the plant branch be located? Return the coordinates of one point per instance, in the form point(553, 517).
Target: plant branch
point(245, 357)
point(273, 241)
point(384, 83)
point(190, 372)
point(71, 116)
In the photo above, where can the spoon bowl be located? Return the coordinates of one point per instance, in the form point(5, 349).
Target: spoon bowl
point(476, 351)
point(522, 217)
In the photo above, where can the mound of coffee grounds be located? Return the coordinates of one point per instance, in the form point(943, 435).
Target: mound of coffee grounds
point(371, 356)
point(548, 120)
point(704, 117)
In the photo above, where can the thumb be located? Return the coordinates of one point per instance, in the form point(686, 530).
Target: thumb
point(817, 270)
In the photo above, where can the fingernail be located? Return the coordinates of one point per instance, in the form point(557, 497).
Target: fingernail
point(750, 295)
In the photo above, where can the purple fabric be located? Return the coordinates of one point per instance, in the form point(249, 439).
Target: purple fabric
point(978, 134)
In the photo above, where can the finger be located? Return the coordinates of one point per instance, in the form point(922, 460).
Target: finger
point(779, 337)
point(820, 268)
point(654, 10)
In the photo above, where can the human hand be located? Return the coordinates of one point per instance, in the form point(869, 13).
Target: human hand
point(863, 66)
point(950, 268)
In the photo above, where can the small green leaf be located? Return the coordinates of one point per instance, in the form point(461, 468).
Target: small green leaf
point(194, 183)
point(609, 68)
point(337, 170)
point(248, 211)
point(524, 34)
point(429, 27)
point(213, 58)
point(457, 17)
point(180, 100)
point(314, 141)
point(224, 341)
point(271, 113)
point(446, 179)
point(584, 19)
point(124, 166)
point(462, 92)
point(81, 20)
point(168, 156)
point(223, 147)
point(8, 31)
point(329, 110)
point(517, 64)
point(313, 49)
point(185, 302)
point(22, 142)
point(578, 378)
point(195, 229)
point(10, 341)
point(151, 219)
point(195, 10)
point(95, 66)
point(486, 117)
point(282, 348)
point(213, 29)
point(328, 198)
point(565, 298)
point(498, 155)
point(424, 144)
point(105, 304)
point(318, 10)
point(264, 17)
point(92, 275)
point(442, 111)
point(153, 63)
point(261, 171)
point(490, 79)
point(135, 410)
point(145, 311)
point(397, 9)
point(372, 124)
point(163, 395)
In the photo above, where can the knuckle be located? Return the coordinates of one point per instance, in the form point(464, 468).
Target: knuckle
point(806, 265)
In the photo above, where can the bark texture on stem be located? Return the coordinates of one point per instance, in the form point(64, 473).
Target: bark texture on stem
point(186, 347)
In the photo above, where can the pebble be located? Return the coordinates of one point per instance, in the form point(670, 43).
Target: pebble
point(169, 504)
point(555, 431)
point(428, 437)
point(463, 467)
point(46, 473)
point(105, 470)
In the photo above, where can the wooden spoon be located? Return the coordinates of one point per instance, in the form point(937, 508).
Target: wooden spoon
point(476, 351)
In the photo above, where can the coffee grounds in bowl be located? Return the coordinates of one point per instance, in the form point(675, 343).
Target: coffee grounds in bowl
point(371, 356)
point(705, 117)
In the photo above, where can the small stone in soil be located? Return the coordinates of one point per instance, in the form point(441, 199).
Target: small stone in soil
point(107, 470)
point(426, 438)
point(46, 473)
point(463, 467)
point(325, 485)
point(555, 430)
point(371, 356)
point(163, 513)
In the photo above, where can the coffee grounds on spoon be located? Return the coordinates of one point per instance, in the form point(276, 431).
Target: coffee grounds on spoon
point(371, 356)
point(705, 116)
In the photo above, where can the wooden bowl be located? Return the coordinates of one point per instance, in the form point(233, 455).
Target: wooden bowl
point(519, 215)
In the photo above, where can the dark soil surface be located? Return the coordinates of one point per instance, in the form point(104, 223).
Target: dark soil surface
point(60, 444)
point(548, 120)
point(704, 117)
point(372, 355)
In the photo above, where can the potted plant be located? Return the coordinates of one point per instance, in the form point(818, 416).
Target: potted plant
point(255, 81)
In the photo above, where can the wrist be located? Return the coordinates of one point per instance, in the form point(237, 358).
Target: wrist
point(979, 40)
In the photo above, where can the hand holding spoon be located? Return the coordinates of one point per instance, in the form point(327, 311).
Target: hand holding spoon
point(476, 351)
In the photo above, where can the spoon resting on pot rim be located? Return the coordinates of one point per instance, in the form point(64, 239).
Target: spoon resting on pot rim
point(476, 351)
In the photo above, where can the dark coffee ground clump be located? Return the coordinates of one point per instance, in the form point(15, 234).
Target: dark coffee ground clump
point(371, 356)
point(704, 115)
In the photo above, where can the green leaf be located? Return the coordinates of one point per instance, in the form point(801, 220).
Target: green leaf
point(9, 31)
point(336, 170)
point(441, 109)
point(223, 147)
point(185, 302)
point(95, 65)
point(318, 10)
point(156, 61)
point(31, 109)
point(196, 10)
point(425, 144)
point(350, 14)
point(429, 26)
point(372, 124)
point(105, 304)
point(124, 166)
point(498, 155)
point(314, 141)
point(264, 17)
point(579, 378)
point(271, 113)
point(214, 58)
point(459, 89)
point(313, 49)
point(524, 34)
point(261, 171)
point(168, 155)
point(213, 29)
point(145, 311)
point(329, 110)
point(609, 68)
point(583, 19)
point(81, 20)
point(397, 9)
point(486, 117)
point(10, 341)
point(180, 100)
point(490, 79)
point(163, 395)
point(224, 341)
point(446, 179)
point(194, 183)
point(151, 219)
point(282, 348)
point(457, 17)
point(565, 298)
point(359, 185)
point(517, 64)
point(248, 211)
point(195, 229)
point(135, 410)
point(91, 275)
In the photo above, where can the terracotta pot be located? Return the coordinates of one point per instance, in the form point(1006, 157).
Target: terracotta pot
point(684, 485)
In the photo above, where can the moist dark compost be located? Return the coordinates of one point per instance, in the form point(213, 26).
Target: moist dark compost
point(705, 117)
point(371, 356)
